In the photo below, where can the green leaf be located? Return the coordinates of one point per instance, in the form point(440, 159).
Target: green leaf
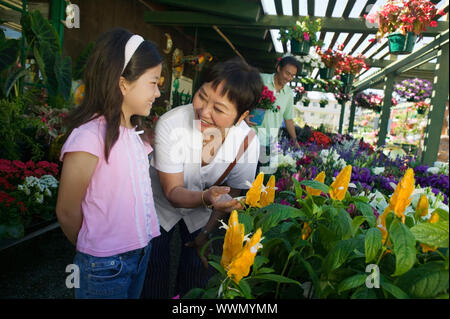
point(364, 293)
point(432, 234)
point(404, 247)
point(218, 267)
point(276, 278)
point(247, 220)
point(245, 288)
point(366, 211)
point(339, 254)
point(392, 289)
point(443, 214)
point(316, 185)
point(194, 293)
point(342, 224)
point(312, 274)
point(372, 243)
point(45, 32)
point(298, 188)
point(12, 79)
point(81, 61)
point(259, 261)
point(352, 282)
point(63, 73)
point(274, 214)
point(426, 281)
point(265, 270)
point(356, 222)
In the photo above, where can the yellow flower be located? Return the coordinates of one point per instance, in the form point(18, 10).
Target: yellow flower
point(240, 265)
point(234, 238)
point(306, 231)
point(402, 194)
point(434, 219)
point(422, 206)
point(254, 193)
point(381, 224)
point(340, 184)
point(316, 192)
point(268, 194)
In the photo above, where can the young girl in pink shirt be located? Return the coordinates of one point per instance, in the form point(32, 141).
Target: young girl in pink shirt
point(105, 202)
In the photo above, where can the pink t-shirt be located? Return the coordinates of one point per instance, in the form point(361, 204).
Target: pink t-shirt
point(118, 209)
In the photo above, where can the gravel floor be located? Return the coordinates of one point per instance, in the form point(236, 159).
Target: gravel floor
point(36, 268)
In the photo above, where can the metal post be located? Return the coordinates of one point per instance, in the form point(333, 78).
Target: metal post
point(341, 117)
point(386, 109)
point(352, 116)
point(437, 110)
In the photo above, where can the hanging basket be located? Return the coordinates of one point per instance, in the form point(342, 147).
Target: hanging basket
point(347, 78)
point(401, 44)
point(326, 73)
point(300, 48)
point(258, 116)
point(308, 87)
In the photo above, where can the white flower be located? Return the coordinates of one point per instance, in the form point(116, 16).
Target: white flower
point(433, 170)
point(378, 170)
point(39, 198)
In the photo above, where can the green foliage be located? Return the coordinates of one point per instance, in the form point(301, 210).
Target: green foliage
point(297, 32)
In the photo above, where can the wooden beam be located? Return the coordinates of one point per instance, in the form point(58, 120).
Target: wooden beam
point(311, 8)
point(295, 8)
point(367, 7)
point(330, 8)
point(381, 48)
point(279, 7)
point(236, 9)
point(357, 44)
point(347, 40)
point(185, 18)
point(368, 47)
point(333, 40)
point(253, 33)
point(348, 8)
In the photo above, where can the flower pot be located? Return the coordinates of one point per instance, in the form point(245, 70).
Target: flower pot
point(401, 44)
point(323, 105)
point(305, 104)
point(258, 115)
point(300, 48)
point(297, 98)
point(347, 78)
point(308, 87)
point(421, 111)
point(326, 73)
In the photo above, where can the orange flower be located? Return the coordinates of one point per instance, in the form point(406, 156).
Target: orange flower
point(422, 206)
point(402, 194)
point(381, 224)
point(240, 265)
point(306, 231)
point(433, 219)
point(254, 193)
point(268, 194)
point(340, 184)
point(234, 238)
point(316, 192)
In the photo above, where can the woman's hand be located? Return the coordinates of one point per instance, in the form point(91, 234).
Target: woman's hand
point(218, 197)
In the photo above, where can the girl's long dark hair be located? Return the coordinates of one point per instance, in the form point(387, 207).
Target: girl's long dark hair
point(101, 78)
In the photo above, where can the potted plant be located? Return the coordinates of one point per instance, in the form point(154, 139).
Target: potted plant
point(331, 59)
point(299, 91)
point(308, 83)
point(414, 90)
point(351, 66)
point(369, 101)
point(265, 103)
point(306, 101)
point(323, 102)
point(403, 21)
point(422, 106)
point(342, 97)
point(309, 62)
point(302, 35)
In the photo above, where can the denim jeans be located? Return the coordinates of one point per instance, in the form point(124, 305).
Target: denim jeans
point(119, 277)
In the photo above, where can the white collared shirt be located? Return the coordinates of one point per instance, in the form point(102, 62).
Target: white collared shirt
point(178, 149)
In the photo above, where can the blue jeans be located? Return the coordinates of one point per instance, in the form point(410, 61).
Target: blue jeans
point(119, 277)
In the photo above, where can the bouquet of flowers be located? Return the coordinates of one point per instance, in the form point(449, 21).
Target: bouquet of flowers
point(414, 90)
point(422, 106)
point(304, 30)
point(330, 58)
point(267, 100)
point(369, 101)
point(352, 65)
point(311, 61)
point(405, 16)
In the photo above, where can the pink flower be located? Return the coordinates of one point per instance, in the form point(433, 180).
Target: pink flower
point(306, 36)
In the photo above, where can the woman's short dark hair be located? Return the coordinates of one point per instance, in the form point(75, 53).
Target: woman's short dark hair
point(289, 60)
point(242, 83)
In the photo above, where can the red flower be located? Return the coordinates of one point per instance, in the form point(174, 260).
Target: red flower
point(19, 164)
point(433, 24)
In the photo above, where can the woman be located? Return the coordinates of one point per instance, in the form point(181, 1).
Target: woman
point(194, 147)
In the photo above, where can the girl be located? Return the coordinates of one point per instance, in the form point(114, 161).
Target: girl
point(194, 146)
point(105, 203)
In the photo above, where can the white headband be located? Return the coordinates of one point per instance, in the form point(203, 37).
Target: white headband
point(131, 46)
